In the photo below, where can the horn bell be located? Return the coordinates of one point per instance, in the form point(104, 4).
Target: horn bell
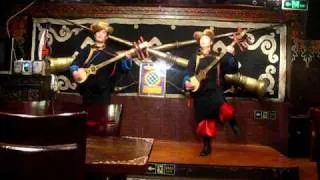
point(259, 87)
point(59, 64)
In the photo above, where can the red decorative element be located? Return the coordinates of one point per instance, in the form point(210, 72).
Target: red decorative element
point(240, 42)
point(45, 51)
point(227, 112)
point(207, 128)
point(189, 103)
point(113, 71)
point(91, 123)
point(18, 27)
point(136, 46)
point(96, 114)
point(145, 52)
point(139, 50)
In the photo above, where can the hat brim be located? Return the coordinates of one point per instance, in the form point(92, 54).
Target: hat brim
point(95, 28)
point(198, 34)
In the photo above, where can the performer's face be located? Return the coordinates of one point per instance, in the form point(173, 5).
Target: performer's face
point(205, 41)
point(101, 36)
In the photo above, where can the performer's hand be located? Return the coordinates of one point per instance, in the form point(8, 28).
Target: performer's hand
point(230, 49)
point(128, 55)
point(141, 45)
point(188, 85)
point(75, 54)
point(76, 75)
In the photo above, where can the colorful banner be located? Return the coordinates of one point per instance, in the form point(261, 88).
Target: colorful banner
point(152, 81)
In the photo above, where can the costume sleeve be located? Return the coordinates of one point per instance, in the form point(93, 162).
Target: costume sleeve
point(190, 70)
point(192, 65)
point(186, 77)
point(229, 64)
point(77, 63)
point(126, 64)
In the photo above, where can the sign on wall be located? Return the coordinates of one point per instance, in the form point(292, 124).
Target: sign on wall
point(301, 5)
point(152, 81)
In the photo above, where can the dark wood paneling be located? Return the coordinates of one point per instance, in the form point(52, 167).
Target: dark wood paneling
point(25, 88)
point(305, 84)
point(172, 119)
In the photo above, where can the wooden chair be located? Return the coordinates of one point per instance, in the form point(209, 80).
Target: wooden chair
point(46, 147)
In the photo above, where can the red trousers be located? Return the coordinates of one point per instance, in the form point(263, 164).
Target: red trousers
point(207, 127)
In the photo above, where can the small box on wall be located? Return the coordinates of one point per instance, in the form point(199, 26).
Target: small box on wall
point(265, 115)
point(28, 67)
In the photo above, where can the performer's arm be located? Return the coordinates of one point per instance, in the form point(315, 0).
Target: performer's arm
point(230, 63)
point(77, 63)
point(126, 64)
point(190, 72)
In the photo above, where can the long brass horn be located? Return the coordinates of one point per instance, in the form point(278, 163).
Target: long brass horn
point(253, 85)
point(171, 58)
point(59, 64)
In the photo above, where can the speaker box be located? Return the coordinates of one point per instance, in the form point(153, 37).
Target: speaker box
point(313, 25)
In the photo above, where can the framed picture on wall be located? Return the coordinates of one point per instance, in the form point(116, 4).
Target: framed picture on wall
point(152, 81)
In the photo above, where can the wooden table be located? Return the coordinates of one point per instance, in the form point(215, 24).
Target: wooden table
point(117, 155)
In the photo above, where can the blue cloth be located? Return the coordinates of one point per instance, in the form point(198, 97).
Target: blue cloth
point(186, 77)
point(73, 68)
point(126, 64)
point(230, 64)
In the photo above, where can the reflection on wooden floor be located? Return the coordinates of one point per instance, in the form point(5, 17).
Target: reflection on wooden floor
point(181, 160)
point(307, 169)
point(222, 155)
point(144, 158)
point(227, 161)
point(117, 155)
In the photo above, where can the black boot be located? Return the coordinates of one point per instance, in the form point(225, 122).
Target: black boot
point(206, 146)
point(234, 126)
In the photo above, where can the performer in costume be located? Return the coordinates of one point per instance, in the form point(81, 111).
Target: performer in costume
point(209, 102)
point(96, 90)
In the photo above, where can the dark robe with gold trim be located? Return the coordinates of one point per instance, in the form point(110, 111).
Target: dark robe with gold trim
point(210, 96)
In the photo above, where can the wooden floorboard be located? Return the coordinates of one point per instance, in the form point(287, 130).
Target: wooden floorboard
point(223, 155)
point(307, 169)
point(227, 161)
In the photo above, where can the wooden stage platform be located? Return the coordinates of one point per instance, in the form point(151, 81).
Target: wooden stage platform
point(172, 159)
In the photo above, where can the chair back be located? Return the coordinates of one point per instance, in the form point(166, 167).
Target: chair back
point(48, 146)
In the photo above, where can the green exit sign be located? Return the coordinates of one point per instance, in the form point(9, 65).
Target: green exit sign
point(295, 5)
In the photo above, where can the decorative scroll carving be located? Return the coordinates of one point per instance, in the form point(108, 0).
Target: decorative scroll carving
point(64, 83)
point(268, 46)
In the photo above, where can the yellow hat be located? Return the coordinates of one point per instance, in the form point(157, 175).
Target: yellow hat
point(198, 34)
point(95, 27)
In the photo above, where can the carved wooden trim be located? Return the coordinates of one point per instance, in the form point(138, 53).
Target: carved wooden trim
point(81, 10)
